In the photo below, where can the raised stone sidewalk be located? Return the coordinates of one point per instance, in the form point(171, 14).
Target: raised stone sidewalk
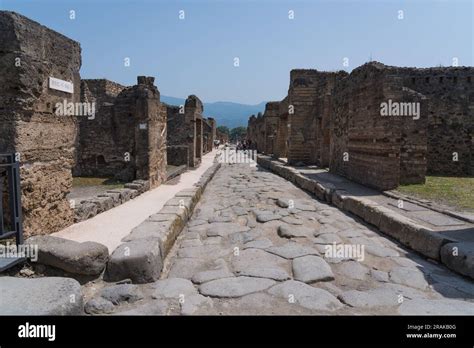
point(434, 234)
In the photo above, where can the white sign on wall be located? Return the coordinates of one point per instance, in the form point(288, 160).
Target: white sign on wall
point(61, 85)
point(142, 126)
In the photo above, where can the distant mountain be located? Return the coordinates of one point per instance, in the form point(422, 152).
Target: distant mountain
point(226, 113)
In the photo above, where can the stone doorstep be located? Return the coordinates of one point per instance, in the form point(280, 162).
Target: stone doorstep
point(410, 233)
point(141, 256)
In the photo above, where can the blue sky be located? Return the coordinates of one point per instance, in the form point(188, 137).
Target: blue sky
point(196, 55)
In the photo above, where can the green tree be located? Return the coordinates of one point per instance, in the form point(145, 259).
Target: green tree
point(238, 133)
point(224, 129)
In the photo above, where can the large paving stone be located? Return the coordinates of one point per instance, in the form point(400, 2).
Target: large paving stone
point(220, 271)
point(408, 276)
point(290, 231)
point(267, 216)
point(263, 243)
point(173, 288)
point(99, 305)
point(87, 258)
point(225, 228)
point(139, 260)
point(154, 307)
point(327, 238)
point(385, 296)
point(40, 296)
point(436, 307)
point(275, 273)
point(459, 257)
point(204, 252)
point(310, 269)
point(292, 220)
point(292, 250)
point(250, 258)
point(193, 303)
point(122, 293)
point(186, 267)
point(306, 296)
point(235, 287)
point(353, 270)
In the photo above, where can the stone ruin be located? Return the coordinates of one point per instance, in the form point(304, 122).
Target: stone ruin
point(208, 134)
point(335, 120)
point(96, 153)
point(32, 57)
point(186, 132)
point(59, 126)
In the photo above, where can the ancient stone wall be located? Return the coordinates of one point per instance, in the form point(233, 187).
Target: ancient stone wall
point(336, 120)
point(30, 55)
point(270, 120)
point(185, 127)
point(281, 141)
point(193, 109)
point(96, 153)
point(177, 155)
point(450, 116)
point(307, 97)
point(208, 132)
point(251, 132)
point(260, 133)
point(138, 108)
point(367, 147)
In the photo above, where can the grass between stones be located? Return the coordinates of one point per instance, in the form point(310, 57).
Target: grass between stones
point(81, 181)
point(457, 192)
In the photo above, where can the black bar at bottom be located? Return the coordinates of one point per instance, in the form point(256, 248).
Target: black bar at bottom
point(261, 330)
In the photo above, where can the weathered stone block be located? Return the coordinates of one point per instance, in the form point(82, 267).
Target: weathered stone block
point(139, 260)
point(40, 296)
point(459, 257)
point(87, 258)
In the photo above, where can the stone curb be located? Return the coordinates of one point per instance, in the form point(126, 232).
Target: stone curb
point(90, 207)
point(141, 256)
point(405, 230)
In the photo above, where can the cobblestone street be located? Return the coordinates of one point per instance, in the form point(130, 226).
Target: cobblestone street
point(257, 244)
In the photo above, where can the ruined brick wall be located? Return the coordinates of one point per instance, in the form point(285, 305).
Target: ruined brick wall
point(281, 142)
point(212, 134)
point(270, 119)
point(375, 150)
point(141, 132)
point(207, 136)
point(96, 153)
point(450, 116)
point(29, 55)
point(193, 109)
point(177, 155)
point(307, 95)
point(185, 128)
point(260, 133)
point(251, 132)
point(177, 136)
